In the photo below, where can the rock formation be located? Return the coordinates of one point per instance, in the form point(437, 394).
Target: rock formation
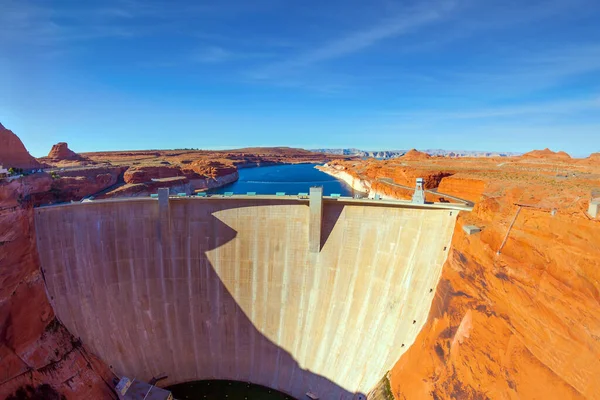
point(37, 354)
point(147, 173)
point(78, 184)
point(547, 154)
point(593, 159)
point(13, 153)
point(414, 155)
point(61, 152)
point(197, 175)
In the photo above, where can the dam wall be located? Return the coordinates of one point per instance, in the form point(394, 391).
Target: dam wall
point(228, 288)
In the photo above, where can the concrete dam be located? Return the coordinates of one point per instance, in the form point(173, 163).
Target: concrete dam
point(319, 296)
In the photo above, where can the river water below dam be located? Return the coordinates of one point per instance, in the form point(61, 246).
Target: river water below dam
point(288, 178)
point(225, 390)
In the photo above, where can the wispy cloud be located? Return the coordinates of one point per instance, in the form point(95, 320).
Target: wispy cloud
point(361, 39)
point(211, 55)
point(218, 54)
point(38, 24)
point(553, 108)
point(526, 72)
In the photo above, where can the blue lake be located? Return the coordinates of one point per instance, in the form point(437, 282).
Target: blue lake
point(291, 179)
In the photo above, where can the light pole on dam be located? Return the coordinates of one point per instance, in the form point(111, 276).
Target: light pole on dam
point(227, 288)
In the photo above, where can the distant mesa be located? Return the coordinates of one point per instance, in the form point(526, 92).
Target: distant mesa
point(13, 153)
point(548, 154)
point(415, 155)
point(61, 152)
point(387, 154)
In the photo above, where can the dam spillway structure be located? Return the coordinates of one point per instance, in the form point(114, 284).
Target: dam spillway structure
point(302, 294)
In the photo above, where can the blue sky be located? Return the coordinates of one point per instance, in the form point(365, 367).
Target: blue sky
point(502, 75)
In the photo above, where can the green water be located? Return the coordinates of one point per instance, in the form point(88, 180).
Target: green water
point(224, 390)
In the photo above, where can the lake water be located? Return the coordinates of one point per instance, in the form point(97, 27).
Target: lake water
point(291, 179)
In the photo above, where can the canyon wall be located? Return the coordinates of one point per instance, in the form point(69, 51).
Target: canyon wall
point(38, 356)
point(521, 324)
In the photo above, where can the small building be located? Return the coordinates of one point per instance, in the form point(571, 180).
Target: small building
point(3, 172)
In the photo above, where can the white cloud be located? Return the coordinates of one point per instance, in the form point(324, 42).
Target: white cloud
point(563, 107)
point(212, 54)
point(408, 21)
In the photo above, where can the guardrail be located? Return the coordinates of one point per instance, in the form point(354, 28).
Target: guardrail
point(389, 181)
point(299, 197)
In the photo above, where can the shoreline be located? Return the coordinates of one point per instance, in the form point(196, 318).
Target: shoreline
point(361, 185)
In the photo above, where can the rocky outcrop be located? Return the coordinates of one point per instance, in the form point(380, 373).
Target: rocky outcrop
point(148, 173)
point(593, 159)
point(178, 184)
point(193, 176)
point(37, 354)
point(80, 183)
point(61, 152)
point(547, 154)
point(210, 169)
point(462, 186)
point(414, 155)
point(13, 153)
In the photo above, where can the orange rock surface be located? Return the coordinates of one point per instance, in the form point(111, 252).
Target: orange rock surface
point(415, 155)
point(146, 174)
point(13, 153)
point(461, 185)
point(37, 354)
point(547, 154)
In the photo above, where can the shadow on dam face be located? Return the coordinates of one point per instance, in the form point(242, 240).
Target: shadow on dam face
point(228, 290)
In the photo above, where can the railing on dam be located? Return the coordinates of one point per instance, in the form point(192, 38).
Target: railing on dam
point(315, 200)
point(464, 205)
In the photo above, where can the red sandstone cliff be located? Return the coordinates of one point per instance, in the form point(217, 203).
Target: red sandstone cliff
point(197, 175)
point(520, 325)
point(147, 173)
point(13, 153)
point(37, 354)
